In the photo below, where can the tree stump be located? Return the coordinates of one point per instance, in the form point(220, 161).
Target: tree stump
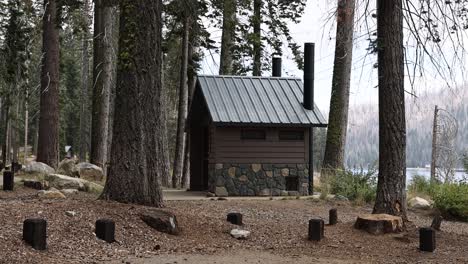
point(379, 223)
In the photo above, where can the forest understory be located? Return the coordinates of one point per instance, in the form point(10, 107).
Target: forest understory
point(278, 233)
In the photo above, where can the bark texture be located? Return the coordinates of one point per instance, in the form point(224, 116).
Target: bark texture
point(48, 141)
point(84, 116)
point(104, 67)
point(228, 36)
point(391, 194)
point(339, 103)
point(182, 110)
point(137, 155)
point(257, 38)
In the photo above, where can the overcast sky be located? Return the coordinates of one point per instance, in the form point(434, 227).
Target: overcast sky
point(316, 27)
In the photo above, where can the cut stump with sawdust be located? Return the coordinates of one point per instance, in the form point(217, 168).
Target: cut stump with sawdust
point(379, 223)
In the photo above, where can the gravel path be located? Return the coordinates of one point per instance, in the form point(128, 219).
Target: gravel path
point(279, 234)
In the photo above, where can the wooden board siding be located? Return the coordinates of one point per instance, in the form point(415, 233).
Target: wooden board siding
point(228, 147)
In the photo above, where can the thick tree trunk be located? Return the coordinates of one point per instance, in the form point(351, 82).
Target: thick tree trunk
point(5, 120)
point(257, 40)
point(48, 142)
point(391, 195)
point(137, 159)
point(105, 20)
point(182, 110)
point(84, 116)
point(166, 179)
point(339, 103)
point(228, 37)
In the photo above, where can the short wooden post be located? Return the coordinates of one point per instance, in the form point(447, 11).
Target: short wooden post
point(316, 229)
point(8, 180)
point(235, 218)
point(35, 233)
point(105, 230)
point(427, 240)
point(333, 215)
point(436, 222)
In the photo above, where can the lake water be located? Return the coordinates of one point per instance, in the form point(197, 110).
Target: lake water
point(426, 172)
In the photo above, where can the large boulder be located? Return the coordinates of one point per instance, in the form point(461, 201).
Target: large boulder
point(89, 172)
point(68, 167)
point(419, 203)
point(38, 168)
point(162, 221)
point(65, 182)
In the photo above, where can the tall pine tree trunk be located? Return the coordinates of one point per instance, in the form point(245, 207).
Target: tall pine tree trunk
point(84, 117)
point(104, 73)
point(339, 103)
point(48, 141)
point(257, 38)
point(182, 109)
point(137, 159)
point(391, 194)
point(228, 36)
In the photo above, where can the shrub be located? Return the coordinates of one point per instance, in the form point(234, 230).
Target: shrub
point(356, 186)
point(452, 200)
point(421, 185)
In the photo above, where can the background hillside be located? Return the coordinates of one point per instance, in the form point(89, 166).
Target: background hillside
point(362, 144)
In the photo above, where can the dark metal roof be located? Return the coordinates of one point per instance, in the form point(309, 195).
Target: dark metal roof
point(257, 100)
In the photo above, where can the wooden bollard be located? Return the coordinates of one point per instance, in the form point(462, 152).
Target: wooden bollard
point(316, 229)
point(105, 230)
point(8, 180)
point(35, 233)
point(235, 218)
point(427, 240)
point(333, 216)
point(436, 222)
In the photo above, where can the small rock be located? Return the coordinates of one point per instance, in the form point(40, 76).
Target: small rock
point(240, 234)
point(51, 194)
point(222, 199)
point(162, 221)
point(210, 194)
point(419, 203)
point(70, 191)
point(221, 192)
point(284, 193)
point(38, 185)
point(70, 213)
point(341, 198)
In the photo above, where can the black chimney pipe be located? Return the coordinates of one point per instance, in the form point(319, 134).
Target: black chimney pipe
point(276, 67)
point(309, 58)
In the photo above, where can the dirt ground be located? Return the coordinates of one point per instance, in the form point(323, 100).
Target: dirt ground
point(279, 234)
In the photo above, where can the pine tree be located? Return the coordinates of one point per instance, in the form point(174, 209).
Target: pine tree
point(137, 155)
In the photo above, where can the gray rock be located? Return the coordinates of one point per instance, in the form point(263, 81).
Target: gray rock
point(221, 192)
point(264, 192)
point(51, 194)
point(70, 191)
point(89, 172)
point(162, 221)
point(70, 213)
point(67, 167)
point(293, 193)
point(240, 234)
point(38, 168)
point(65, 182)
point(38, 185)
point(419, 203)
point(284, 193)
point(341, 198)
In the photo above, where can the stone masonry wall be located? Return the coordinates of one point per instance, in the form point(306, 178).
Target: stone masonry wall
point(256, 179)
